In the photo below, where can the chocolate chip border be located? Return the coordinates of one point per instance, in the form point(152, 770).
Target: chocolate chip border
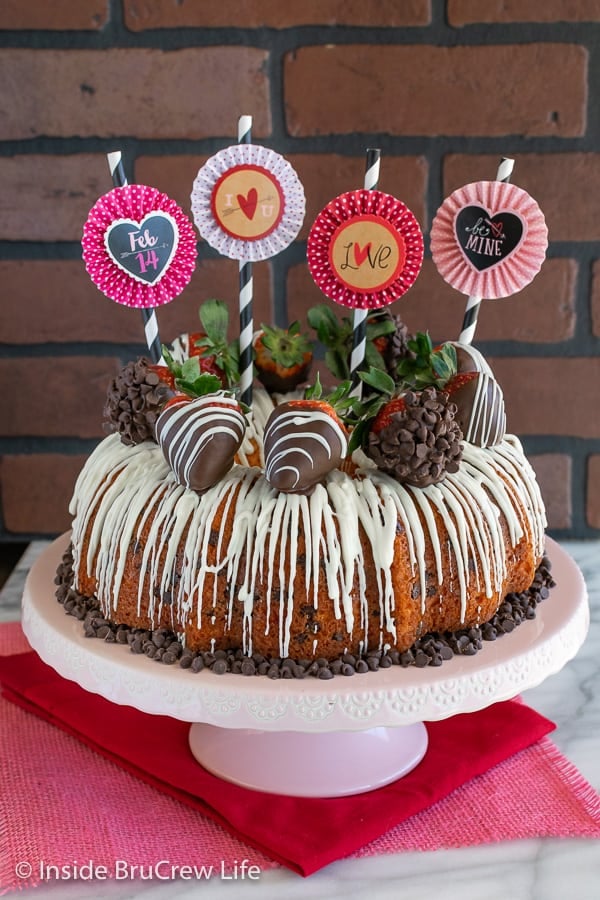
point(432, 649)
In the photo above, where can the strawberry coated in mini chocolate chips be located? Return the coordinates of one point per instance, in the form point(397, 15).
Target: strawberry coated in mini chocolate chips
point(304, 440)
point(200, 437)
point(415, 439)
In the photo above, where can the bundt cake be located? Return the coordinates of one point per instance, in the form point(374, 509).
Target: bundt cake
point(361, 562)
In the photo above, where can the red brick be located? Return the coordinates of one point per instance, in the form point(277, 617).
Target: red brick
point(193, 93)
point(36, 491)
point(323, 176)
point(432, 305)
point(59, 15)
point(54, 396)
point(71, 309)
point(562, 184)
point(593, 491)
point(543, 312)
point(142, 14)
point(553, 396)
point(48, 198)
point(525, 89)
point(553, 472)
point(217, 278)
point(595, 298)
point(467, 12)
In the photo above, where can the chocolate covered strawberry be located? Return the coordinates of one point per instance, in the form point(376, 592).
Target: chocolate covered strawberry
point(415, 438)
point(282, 357)
point(135, 397)
point(479, 407)
point(304, 440)
point(199, 438)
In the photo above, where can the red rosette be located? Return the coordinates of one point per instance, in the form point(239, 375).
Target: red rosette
point(365, 249)
point(489, 239)
point(161, 255)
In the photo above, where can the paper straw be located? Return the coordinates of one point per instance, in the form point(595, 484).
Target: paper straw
point(474, 302)
point(115, 164)
point(359, 319)
point(246, 291)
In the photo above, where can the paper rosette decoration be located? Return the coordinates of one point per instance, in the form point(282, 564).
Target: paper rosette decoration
point(489, 239)
point(139, 247)
point(248, 202)
point(365, 249)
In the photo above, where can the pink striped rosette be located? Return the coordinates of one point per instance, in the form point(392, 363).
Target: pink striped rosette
point(489, 239)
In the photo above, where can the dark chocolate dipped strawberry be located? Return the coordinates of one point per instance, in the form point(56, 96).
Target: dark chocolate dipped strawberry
point(199, 437)
point(282, 357)
point(304, 440)
point(415, 438)
point(479, 407)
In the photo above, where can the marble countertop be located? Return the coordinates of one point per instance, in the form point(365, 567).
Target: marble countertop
point(543, 869)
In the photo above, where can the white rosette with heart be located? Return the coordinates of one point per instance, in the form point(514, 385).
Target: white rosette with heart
point(248, 202)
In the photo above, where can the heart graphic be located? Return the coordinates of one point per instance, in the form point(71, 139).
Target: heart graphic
point(361, 253)
point(248, 203)
point(487, 240)
point(143, 250)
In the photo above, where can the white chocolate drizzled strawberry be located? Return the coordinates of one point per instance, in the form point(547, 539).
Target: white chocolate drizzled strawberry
point(199, 438)
point(304, 440)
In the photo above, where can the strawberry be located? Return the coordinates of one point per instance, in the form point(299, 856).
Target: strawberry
point(282, 357)
point(198, 343)
point(304, 440)
point(199, 437)
point(479, 407)
point(415, 439)
point(385, 414)
point(459, 381)
point(165, 374)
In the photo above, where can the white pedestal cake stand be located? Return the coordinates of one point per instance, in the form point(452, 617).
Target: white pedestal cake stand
point(310, 737)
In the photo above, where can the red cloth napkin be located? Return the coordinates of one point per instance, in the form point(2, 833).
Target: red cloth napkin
point(303, 834)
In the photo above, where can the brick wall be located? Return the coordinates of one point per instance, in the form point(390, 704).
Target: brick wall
point(444, 89)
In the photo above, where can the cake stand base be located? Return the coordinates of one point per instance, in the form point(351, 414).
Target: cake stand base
point(311, 737)
point(305, 764)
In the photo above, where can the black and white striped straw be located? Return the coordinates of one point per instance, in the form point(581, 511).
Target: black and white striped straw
point(469, 324)
point(246, 292)
point(359, 320)
point(115, 164)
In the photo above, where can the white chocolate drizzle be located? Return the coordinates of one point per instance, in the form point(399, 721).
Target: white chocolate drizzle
point(122, 490)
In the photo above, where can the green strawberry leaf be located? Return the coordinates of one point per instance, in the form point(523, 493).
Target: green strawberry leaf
point(379, 380)
point(315, 392)
point(214, 317)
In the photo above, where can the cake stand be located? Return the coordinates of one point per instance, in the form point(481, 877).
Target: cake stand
point(310, 737)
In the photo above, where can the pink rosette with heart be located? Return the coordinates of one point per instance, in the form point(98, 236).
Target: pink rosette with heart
point(139, 247)
point(489, 239)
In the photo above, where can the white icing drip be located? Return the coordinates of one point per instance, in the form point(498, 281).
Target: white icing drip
point(125, 488)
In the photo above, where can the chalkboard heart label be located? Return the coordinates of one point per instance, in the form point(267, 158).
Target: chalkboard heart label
point(487, 240)
point(143, 250)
